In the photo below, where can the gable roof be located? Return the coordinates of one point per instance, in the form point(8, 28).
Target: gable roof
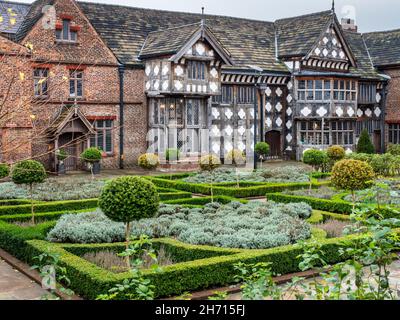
point(297, 35)
point(168, 41)
point(384, 47)
point(125, 30)
point(32, 17)
point(174, 41)
point(12, 10)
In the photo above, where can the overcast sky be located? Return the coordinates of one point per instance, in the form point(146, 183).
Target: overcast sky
point(371, 15)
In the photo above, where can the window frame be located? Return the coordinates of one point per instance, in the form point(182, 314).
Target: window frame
point(73, 77)
point(330, 90)
point(196, 68)
point(103, 131)
point(66, 31)
point(394, 133)
point(40, 93)
point(335, 132)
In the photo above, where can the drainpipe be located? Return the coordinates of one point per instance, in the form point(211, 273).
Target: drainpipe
point(383, 123)
point(121, 71)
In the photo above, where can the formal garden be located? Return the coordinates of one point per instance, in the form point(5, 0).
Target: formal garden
point(169, 235)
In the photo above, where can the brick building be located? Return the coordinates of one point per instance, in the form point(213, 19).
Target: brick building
point(129, 80)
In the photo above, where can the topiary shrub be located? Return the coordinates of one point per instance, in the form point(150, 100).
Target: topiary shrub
point(365, 144)
point(91, 155)
point(235, 157)
point(262, 150)
point(149, 161)
point(209, 162)
point(127, 199)
point(336, 153)
point(61, 154)
point(360, 156)
point(29, 172)
point(4, 170)
point(315, 158)
point(172, 154)
point(352, 175)
point(394, 149)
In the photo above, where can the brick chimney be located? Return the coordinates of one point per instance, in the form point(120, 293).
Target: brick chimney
point(349, 24)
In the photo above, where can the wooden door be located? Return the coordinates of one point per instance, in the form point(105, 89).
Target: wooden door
point(273, 138)
point(377, 141)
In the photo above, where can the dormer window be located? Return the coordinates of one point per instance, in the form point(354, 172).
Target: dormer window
point(65, 32)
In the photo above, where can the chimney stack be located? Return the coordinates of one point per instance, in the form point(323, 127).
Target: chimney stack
point(349, 25)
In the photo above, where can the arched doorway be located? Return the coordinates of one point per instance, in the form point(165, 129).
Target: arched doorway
point(273, 138)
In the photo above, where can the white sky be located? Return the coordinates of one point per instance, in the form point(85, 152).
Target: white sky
point(371, 15)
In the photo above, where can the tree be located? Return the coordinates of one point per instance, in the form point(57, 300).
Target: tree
point(365, 144)
point(29, 172)
point(127, 199)
point(352, 175)
point(262, 150)
point(336, 153)
point(315, 158)
point(91, 156)
point(209, 163)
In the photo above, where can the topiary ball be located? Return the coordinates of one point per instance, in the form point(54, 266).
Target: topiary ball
point(91, 155)
point(262, 149)
point(149, 161)
point(129, 198)
point(4, 170)
point(209, 162)
point(314, 157)
point(352, 175)
point(27, 172)
point(235, 157)
point(336, 153)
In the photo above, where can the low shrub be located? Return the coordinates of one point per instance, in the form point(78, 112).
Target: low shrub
point(342, 207)
point(4, 170)
point(172, 154)
point(394, 149)
point(365, 144)
point(209, 162)
point(315, 158)
point(336, 153)
point(254, 225)
point(235, 157)
point(149, 161)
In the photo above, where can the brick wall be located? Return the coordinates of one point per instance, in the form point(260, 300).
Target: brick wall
point(392, 100)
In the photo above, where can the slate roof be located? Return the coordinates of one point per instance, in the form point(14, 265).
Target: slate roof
point(33, 16)
point(365, 68)
point(130, 31)
point(296, 36)
point(125, 29)
point(384, 47)
point(12, 10)
point(168, 41)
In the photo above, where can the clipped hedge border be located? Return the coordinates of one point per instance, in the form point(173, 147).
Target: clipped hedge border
point(249, 189)
point(204, 200)
point(16, 202)
point(90, 280)
point(335, 206)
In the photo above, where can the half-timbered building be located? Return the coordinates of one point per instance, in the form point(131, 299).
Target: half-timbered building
point(203, 83)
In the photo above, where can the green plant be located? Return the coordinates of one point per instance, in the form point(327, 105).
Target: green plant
point(336, 153)
point(48, 265)
point(138, 283)
point(365, 144)
point(127, 199)
point(315, 158)
point(172, 154)
point(352, 175)
point(394, 149)
point(262, 150)
point(4, 170)
point(257, 281)
point(91, 155)
point(61, 154)
point(29, 172)
point(149, 161)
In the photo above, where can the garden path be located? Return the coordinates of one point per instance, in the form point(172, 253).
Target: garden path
point(16, 286)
